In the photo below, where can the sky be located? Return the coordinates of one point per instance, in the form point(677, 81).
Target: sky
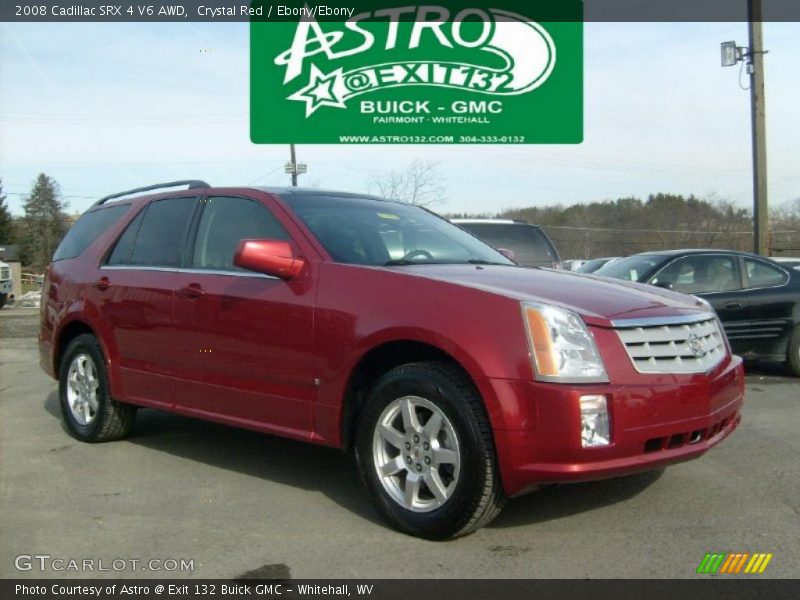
point(107, 107)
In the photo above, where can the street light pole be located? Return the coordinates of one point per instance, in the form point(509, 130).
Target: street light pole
point(755, 67)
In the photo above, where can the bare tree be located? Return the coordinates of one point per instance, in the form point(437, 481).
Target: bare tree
point(419, 183)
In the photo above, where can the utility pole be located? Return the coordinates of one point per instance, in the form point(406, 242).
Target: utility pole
point(755, 67)
point(754, 55)
point(293, 167)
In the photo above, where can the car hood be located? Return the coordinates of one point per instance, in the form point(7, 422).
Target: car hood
point(598, 300)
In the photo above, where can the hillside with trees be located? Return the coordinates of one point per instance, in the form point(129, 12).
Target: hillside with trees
point(630, 225)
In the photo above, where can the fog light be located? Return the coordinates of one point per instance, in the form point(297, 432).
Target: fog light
point(595, 429)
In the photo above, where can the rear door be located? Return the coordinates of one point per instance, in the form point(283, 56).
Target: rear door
point(243, 341)
point(770, 305)
point(135, 293)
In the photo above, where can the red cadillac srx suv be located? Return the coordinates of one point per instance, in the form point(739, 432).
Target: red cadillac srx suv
point(456, 377)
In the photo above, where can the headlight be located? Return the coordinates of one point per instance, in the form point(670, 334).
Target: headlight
point(562, 349)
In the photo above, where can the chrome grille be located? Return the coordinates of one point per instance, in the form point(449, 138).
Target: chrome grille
point(688, 344)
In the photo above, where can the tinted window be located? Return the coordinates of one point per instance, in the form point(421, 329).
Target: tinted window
point(227, 221)
point(160, 237)
point(530, 246)
point(377, 232)
point(700, 273)
point(87, 229)
point(632, 268)
point(124, 246)
point(761, 274)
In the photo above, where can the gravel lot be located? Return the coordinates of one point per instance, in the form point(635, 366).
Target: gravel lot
point(235, 502)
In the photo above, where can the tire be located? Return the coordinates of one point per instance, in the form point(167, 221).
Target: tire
point(425, 452)
point(793, 352)
point(89, 411)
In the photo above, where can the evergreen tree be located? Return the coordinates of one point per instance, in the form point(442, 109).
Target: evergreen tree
point(44, 224)
point(6, 223)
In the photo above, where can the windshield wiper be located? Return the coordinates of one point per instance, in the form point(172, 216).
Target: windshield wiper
point(398, 263)
point(480, 261)
point(402, 262)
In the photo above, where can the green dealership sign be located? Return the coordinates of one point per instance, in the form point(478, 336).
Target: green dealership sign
point(449, 73)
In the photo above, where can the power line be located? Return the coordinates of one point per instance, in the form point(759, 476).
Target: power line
point(629, 230)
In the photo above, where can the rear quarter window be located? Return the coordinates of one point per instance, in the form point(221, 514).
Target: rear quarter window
point(529, 244)
point(760, 274)
point(87, 229)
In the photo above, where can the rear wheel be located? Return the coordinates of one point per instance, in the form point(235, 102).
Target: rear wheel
point(426, 454)
point(91, 415)
point(793, 352)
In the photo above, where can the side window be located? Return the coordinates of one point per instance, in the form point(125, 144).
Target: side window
point(227, 221)
point(160, 237)
point(121, 255)
point(760, 274)
point(700, 273)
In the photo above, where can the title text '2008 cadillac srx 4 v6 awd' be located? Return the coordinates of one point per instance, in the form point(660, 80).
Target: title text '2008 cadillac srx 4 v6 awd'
point(456, 377)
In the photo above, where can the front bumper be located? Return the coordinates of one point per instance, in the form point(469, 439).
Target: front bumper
point(656, 422)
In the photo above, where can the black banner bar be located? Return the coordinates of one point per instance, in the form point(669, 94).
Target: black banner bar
point(708, 588)
point(337, 10)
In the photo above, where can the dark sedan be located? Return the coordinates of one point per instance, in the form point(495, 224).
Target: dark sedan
point(590, 266)
point(757, 300)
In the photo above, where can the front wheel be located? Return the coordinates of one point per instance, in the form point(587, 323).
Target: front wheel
point(90, 413)
point(426, 453)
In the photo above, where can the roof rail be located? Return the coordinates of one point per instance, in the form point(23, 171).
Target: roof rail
point(191, 183)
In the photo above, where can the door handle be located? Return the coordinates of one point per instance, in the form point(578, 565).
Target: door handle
point(102, 284)
point(733, 305)
point(191, 291)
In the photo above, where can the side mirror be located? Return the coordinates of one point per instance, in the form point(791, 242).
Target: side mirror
point(667, 285)
point(270, 257)
point(509, 254)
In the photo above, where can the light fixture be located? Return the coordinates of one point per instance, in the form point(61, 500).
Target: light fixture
point(595, 424)
point(731, 54)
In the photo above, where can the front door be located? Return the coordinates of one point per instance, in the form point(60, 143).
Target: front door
point(717, 279)
point(243, 341)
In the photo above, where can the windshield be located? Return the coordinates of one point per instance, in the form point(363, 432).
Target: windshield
point(593, 265)
point(632, 268)
point(380, 232)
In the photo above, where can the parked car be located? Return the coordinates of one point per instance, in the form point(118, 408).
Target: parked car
point(6, 285)
point(456, 377)
point(787, 261)
point(573, 264)
point(590, 266)
point(758, 300)
point(530, 245)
